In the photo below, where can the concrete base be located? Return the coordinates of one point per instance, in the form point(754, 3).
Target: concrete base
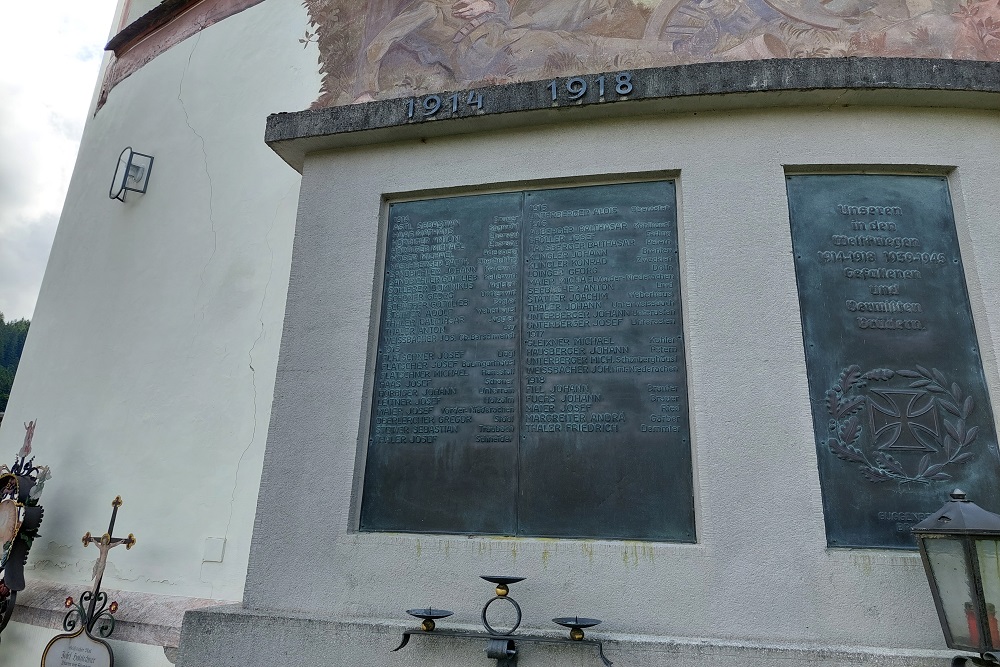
point(236, 637)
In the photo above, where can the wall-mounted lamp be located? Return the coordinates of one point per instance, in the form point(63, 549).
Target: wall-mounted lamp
point(960, 548)
point(131, 174)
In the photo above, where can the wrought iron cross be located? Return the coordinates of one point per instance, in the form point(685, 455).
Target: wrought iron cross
point(105, 543)
point(91, 613)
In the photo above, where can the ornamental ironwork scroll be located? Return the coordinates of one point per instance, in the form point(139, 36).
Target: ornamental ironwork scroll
point(900, 404)
point(91, 619)
point(530, 376)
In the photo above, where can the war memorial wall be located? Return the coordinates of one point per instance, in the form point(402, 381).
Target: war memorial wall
point(712, 359)
point(834, 379)
point(532, 340)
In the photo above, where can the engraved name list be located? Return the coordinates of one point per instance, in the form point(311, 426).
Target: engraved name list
point(531, 359)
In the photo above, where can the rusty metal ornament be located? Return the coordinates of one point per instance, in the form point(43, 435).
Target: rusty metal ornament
point(93, 613)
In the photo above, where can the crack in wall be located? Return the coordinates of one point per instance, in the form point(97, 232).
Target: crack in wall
point(215, 238)
point(208, 174)
point(253, 376)
point(260, 310)
point(253, 371)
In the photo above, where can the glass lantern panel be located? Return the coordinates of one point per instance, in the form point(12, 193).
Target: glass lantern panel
point(948, 564)
point(989, 570)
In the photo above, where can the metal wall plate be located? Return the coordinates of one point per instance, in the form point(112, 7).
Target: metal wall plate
point(531, 377)
point(899, 399)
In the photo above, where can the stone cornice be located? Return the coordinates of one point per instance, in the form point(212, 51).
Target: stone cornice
point(914, 82)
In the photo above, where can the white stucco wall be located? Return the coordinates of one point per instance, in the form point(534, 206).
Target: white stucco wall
point(137, 8)
point(150, 362)
point(761, 571)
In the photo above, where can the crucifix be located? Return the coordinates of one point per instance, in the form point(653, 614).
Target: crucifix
point(94, 596)
point(105, 543)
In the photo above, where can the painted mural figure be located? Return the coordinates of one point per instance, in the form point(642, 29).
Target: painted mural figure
point(480, 40)
point(395, 48)
point(464, 37)
point(554, 15)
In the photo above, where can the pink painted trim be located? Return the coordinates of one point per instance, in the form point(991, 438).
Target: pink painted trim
point(168, 24)
point(126, 8)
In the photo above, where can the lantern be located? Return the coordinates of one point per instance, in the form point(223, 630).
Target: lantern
point(960, 549)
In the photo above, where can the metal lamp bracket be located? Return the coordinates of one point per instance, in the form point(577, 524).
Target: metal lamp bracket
point(131, 174)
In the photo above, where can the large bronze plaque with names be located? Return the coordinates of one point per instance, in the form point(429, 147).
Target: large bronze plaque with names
point(900, 405)
point(530, 377)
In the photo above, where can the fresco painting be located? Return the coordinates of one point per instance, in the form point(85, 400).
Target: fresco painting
point(397, 48)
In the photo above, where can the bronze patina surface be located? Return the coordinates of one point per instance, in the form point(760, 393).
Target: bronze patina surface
point(530, 376)
point(899, 399)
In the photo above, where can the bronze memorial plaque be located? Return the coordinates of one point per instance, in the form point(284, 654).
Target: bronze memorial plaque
point(530, 377)
point(899, 400)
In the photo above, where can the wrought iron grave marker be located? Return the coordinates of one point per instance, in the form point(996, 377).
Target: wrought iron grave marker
point(80, 648)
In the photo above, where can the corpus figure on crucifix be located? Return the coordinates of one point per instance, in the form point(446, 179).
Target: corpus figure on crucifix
point(105, 543)
point(90, 614)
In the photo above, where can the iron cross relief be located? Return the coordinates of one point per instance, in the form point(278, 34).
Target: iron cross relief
point(106, 543)
point(904, 420)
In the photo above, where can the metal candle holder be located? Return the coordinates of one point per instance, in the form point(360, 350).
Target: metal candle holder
point(501, 646)
point(502, 591)
point(429, 615)
point(576, 625)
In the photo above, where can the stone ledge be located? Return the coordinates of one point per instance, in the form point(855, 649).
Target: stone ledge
point(142, 618)
point(917, 82)
point(237, 637)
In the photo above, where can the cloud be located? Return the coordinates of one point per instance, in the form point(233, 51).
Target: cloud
point(23, 254)
point(51, 52)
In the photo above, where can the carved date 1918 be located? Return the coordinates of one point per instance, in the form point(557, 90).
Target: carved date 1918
point(576, 88)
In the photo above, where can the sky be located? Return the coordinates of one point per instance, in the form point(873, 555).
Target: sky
point(50, 58)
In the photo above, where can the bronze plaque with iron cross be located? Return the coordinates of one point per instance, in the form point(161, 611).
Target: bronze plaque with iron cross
point(900, 406)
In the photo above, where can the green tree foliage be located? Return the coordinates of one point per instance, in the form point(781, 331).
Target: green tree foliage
point(12, 337)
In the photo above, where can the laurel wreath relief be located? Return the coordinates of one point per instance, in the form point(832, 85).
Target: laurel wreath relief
point(844, 404)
